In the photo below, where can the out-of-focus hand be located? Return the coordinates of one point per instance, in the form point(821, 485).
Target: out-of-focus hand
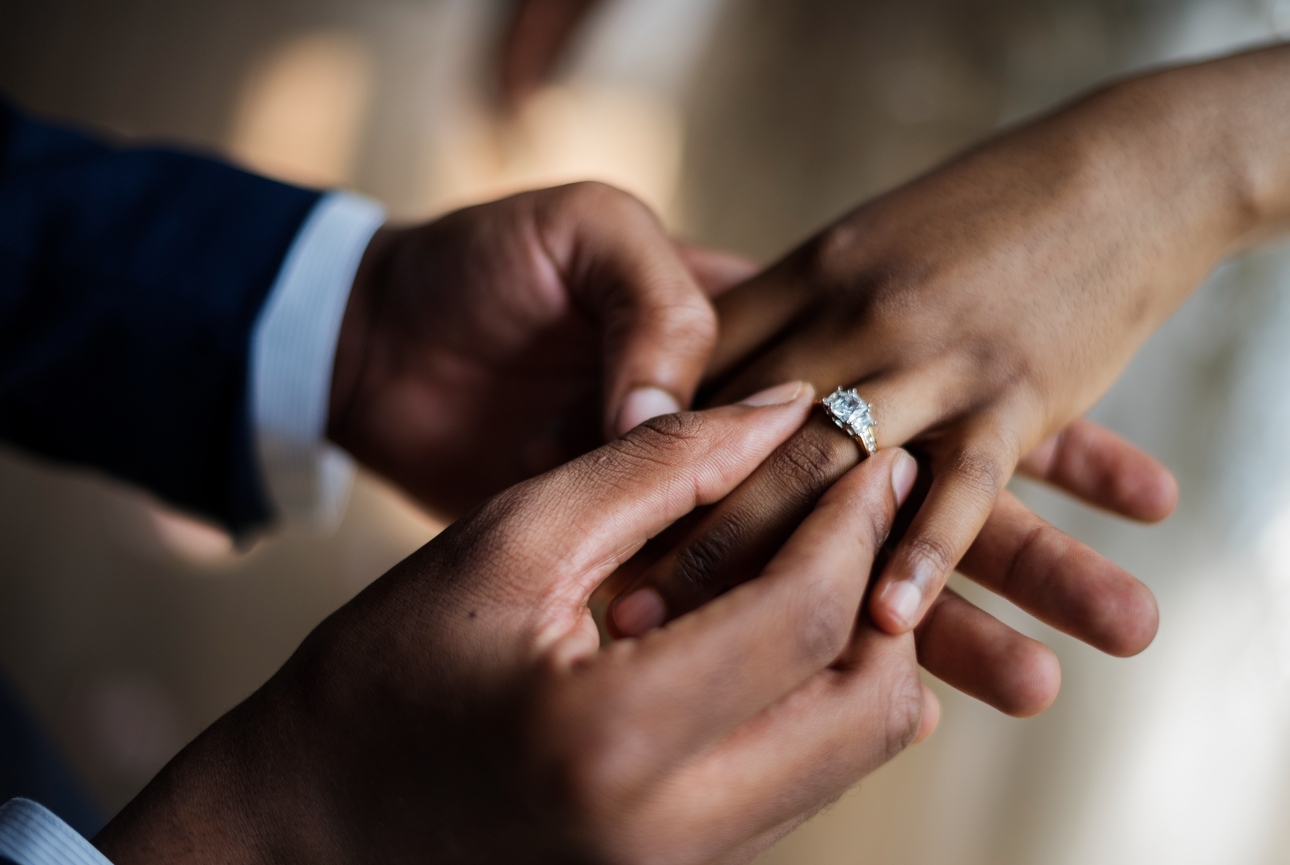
point(983, 307)
point(536, 34)
point(504, 339)
point(461, 709)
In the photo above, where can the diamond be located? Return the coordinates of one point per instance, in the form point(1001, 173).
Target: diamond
point(849, 410)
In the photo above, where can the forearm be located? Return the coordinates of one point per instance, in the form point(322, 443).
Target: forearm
point(1147, 182)
point(1129, 195)
point(1213, 135)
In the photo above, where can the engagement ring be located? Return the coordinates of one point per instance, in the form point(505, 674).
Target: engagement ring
point(853, 416)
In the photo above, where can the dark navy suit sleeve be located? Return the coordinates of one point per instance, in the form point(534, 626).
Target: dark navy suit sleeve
point(130, 280)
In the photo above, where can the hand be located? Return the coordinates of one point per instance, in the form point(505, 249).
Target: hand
point(1062, 582)
point(537, 33)
point(503, 339)
point(983, 307)
point(460, 709)
point(1018, 555)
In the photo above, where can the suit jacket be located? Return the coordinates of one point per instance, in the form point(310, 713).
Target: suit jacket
point(130, 281)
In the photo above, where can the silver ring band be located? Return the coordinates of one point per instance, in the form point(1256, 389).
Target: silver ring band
point(853, 416)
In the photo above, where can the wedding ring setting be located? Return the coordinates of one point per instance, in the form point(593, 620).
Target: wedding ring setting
point(853, 416)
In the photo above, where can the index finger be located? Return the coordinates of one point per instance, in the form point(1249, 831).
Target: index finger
point(621, 267)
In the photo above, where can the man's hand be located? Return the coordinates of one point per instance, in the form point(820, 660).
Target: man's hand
point(504, 339)
point(461, 710)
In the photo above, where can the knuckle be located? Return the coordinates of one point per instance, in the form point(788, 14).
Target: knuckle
point(823, 627)
point(980, 470)
point(826, 258)
point(604, 772)
point(601, 198)
point(860, 286)
point(1023, 566)
point(904, 711)
point(591, 754)
point(594, 191)
point(683, 431)
point(934, 552)
point(684, 319)
point(663, 442)
point(809, 462)
point(490, 533)
point(701, 566)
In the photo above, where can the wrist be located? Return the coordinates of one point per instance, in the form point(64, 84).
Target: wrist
point(1218, 130)
point(239, 793)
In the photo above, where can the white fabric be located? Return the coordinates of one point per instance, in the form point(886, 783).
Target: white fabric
point(292, 352)
point(31, 834)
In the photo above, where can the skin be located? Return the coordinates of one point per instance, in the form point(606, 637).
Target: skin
point(461, 706)
point(981, 309)
point(570, 300)
point(536, 35)
point(461, 709)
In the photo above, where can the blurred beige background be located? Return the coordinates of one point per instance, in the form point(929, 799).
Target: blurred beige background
point(747, 123)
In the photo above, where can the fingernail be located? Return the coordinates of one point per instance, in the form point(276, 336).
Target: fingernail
point(777, 395)
point(642, 404)
point(903, 599)
point(641, 611)
point(904, 471)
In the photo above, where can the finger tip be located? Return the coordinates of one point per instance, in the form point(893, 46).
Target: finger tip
point(638, 612)
point(904, 473)
point(931, 716)
point(1038, 683)
point(1166, 498)
point(896, 606)
point(1156, 498)
point(1139, 615)
point(642, 404)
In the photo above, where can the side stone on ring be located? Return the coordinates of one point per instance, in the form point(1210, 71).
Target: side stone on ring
point(853, 416)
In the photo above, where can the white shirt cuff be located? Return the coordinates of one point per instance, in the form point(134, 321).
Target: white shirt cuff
point(31, 834)
point(293, 349)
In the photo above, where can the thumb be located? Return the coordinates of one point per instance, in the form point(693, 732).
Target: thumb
point(600, 508)
point(657, 323)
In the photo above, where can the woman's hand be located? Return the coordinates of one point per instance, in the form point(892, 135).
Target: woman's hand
point(503, 339)
point(461, 710)
point(982, 308)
